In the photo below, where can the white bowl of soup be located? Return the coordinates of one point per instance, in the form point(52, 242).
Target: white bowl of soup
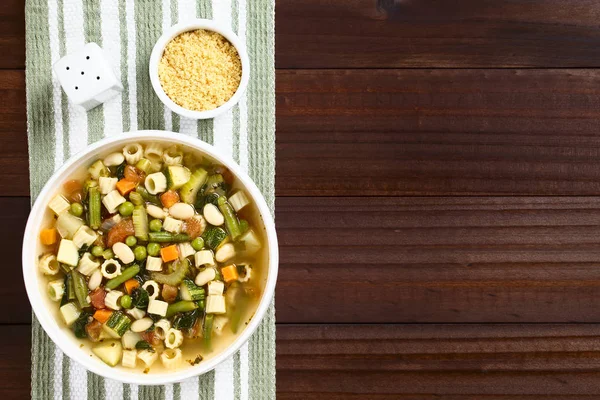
point(150, 257)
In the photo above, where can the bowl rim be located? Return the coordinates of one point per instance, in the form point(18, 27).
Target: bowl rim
point(186, 26)
point(69, 344)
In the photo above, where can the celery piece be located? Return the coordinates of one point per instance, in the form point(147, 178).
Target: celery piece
point(140, 223)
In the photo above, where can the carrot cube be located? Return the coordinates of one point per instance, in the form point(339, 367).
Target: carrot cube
point(230, 273)
point(131, 285)
point(169, 253)
point(124, 186)
point(169, 198)
point(102, 315)
point(48, 236)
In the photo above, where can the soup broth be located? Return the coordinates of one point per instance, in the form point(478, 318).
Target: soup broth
point(154, 257)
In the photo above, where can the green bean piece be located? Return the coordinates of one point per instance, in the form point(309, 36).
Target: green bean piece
point(167, 237)
point(147, 196)
point(136, 198)
point(153, 249)
point(87, 185)
point(198, 244)
point(65, 268)
point(70, 287)
point(231, 220)
point(130, 241)
point(80, 287)
point(97, 251)
point(76, 209)
point(108, 254)
point(94, 208)
point(140, 253)
point(127, 274)
point(126, 209)
point(156, 225)
point(125, 301)
point(180, 306)
point(201, 304)
point(207, 329)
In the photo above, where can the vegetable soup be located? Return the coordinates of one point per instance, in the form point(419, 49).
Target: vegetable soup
point(155, 257)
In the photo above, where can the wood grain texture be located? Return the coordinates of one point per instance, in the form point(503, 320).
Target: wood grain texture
point(415, 132)
point(466, 361)
point(413, 34)
point(436, 34)
point(392, 260)
point(438, 132)
point(12, 34)
point(15, 362)
point(403, 361)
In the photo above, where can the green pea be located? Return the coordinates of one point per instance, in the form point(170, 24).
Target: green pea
point(126, 301)
point(198, 244)
point(131, 241)
point(126, 209)
point(76, 209)
point(153, 249)
point(108, 254)
point(97, 251)
point(140, 253)
point(155, 225)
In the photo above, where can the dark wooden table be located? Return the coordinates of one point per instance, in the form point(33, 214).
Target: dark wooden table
point(438, 199)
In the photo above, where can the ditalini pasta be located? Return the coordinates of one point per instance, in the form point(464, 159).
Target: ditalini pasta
point(155, 252)
point(171, 358)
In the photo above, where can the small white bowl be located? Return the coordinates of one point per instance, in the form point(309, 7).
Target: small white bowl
point(46, 310)
point(193, 25)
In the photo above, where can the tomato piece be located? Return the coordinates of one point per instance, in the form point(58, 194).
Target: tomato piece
point(133, 174)
point(97, 298)
point(151, 338)
point(93, 330)
point(193, 227)
point(169, 293)
point(73, 190)
point(120, 231)
point(194, 331)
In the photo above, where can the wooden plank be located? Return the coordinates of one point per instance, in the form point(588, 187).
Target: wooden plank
point(434, 34)
point(440, 132)
point(12, 34)
point(428, 361)
point(417, 132)
point(15, 361)
point(414, 34)
point(403, 361)
point(398, 260)
point(13, 133)
point(510, 259)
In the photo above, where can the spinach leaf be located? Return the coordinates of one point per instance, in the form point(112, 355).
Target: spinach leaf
point(80, 323)
point(140, 298)
point(143, 345)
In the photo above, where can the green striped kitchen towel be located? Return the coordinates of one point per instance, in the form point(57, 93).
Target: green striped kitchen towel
point(127, 29)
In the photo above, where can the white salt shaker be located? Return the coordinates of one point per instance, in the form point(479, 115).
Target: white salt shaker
point(87, 77)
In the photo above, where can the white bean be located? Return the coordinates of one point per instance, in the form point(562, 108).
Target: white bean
point(114, 159)
point(205, 276)
point(181, 211)
point(156, 212)
point(142, 324)
point(95, 279)
point(212, 215)
point(123, 252)
point(225, 252)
